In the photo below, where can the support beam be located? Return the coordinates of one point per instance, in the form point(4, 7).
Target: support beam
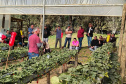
point(121, 33)
point(123, 55)
point(41, 21)
point(43, 18)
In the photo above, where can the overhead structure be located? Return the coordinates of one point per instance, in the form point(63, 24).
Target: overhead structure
point(63, 7)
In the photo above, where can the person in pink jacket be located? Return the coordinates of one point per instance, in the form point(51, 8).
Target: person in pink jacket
point(74, 45)
point(80, 35)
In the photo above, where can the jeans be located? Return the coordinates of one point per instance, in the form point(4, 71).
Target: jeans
point(58, 39)
point(89, 40)
point(69, 40)
point(93, 49)
point(80, 41)
point(74, 47)
point(30, 55)
point(45, 39)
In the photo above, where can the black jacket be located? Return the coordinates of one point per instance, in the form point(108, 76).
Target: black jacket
point(95, 42)
point(91, 31)
point(46, 33)
point(112, 39)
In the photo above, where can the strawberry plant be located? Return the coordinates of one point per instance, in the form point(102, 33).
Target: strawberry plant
point(27, 70)
point(102, 67)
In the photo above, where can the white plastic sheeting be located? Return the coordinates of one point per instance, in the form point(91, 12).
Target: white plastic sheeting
point(63, 7)
point(58, 2)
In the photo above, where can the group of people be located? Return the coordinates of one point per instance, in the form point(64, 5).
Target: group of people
point(34, 42)
point(20, 38)
point(92, 44)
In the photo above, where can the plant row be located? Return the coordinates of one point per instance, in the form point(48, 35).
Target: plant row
point(35, 66)
point(4, 46)
point(14, 54)
point(102, 68)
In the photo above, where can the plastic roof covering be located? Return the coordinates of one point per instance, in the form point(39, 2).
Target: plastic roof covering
point(63, 7)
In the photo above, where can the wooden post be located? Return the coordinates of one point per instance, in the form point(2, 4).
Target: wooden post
point(63, 68)
point(76, 60)
point(123, 55)
point(7, 58)
point(121, 33)
point(48, 77)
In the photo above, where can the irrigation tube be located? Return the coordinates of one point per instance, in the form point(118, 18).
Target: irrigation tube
point(43, 18)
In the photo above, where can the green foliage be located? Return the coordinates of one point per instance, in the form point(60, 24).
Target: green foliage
point(16, 53)
point(35, 66)
point(3, 45)
point(101, 68)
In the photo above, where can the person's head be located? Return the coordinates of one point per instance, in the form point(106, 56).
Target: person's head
point(95, 37)
point(75, 39)
point(45, 27)
point(58, 27)
point(90, 25)
point(109, 33)
point(80, 27)
point(32, 26)
point(11, 30)
point(100, 37)
point(36, 30)
point(68, 26)
point(22, 36)
point(113, 35)
point(7, 31)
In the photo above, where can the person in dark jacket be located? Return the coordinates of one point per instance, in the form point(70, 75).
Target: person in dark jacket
point(94, 44)
point(80, 35)
point(90, 31)
point(101, 39)
point(21, 41)
point(46, 34)
point(112, 38)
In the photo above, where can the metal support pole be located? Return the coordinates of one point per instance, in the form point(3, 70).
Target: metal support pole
point(43, 18)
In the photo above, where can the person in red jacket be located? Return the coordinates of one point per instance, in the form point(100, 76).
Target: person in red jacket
point(80, 35)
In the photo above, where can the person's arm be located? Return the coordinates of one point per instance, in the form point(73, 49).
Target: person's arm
point(92, 45)
point(68, 32)
point(38, 41)
point(77, 45)
point(55, 29)
point(1, 41)
point(30, 31)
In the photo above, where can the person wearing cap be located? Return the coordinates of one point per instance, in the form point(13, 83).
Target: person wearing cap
point(90, 31)
point(45, 34)
point(80, 35)
point(58, 36)
point(68, 33)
